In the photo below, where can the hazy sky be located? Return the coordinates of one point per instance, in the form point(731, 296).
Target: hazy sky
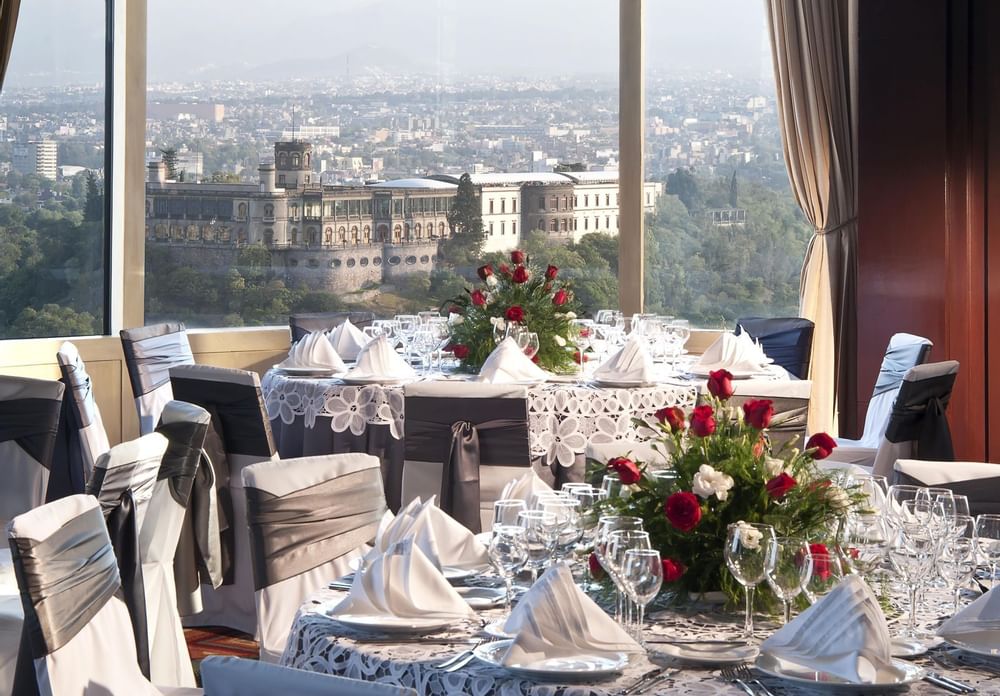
point(61, 40)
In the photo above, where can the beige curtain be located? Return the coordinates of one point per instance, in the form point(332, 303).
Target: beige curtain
point(8, 21)
point(814, 47)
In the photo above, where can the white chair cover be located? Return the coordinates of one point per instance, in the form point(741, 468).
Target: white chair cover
point(150, 352)
point(11, 619)
point(423, 478)
point(978, 481)
point(309, 518)
point(240, 436)
point(231, 676)
point(29, 421)
point(80, 639)
point(87, 435)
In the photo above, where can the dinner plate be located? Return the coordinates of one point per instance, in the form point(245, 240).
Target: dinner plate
point(571, 668)
point(482, 597)
point(562, 379)
point(379, 623)
point(737, 374)
point(707, 653)
point(902, 647)
point(389, 381)
point(986, 643)
point(797, 674)
point(622, 383)
point(305, 371)
point(495, 629)
point(449, 572)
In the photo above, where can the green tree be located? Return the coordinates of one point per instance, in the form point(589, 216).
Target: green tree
point(169, 157)
point(683, 184)
point(53, 320)
point(93, 210)
point(464, 247)
point(733, 191)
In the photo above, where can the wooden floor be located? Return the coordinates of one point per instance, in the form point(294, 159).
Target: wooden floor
point(216, 640)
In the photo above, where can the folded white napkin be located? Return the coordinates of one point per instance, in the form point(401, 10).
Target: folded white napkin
point(508, 363)
point(983, 615)
point(632, 363)
point(526, 488)
point(403, 582)
point(379, 360)
point(734, 353)
point(444, 541)
point(844, 633)
point(556, 619)
point(314, 350)
point(348, 340)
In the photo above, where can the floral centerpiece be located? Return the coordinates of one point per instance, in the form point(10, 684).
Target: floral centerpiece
point(511, 297)
point(725, 471)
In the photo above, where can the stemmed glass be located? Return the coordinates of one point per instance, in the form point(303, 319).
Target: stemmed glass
point(789, 565)
point(746, 560)
point(611, 486)
point(505, 512)
point(643, 576)
point(425, 340)
point(540, 534)
point(619, 542)
point(605, 526)
point(897, 495)
point(988, 542)
point(587, 497)
point(912, 555)
point(527, 341)
point(957, 565)
point(568, 531)
point(826, 574)
point(867, 542)
point(509, 552)
point(583, 337)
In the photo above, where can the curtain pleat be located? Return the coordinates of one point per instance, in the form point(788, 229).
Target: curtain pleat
point(8, 22)
point(814, 48)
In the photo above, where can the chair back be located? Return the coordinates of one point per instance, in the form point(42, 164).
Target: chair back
point(918, 426)
point(978, 481)
point(232, 676)
point(790, 399)
point(787, 341)
point(29, 423)
point(240, 435)
point(150, 352)
point(304, 324)
point(451, 430)
point(77, 636)
point(308, 519)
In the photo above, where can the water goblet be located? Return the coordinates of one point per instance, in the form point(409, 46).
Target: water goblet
point(606, 524)
point(867, 542)
point(827, 572)
point(789, 565)
point(912, 555)
point(957, 565)
point(619, 542)
point(643, 577)
point(988, 542)
point(540, 535)
point(895, 497)
point(747, 562)
point(505, 512)
point(611, 486)
point(508, 552)
point(568, 531)
point(527, 341)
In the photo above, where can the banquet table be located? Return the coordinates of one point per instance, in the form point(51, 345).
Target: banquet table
point(319, 643)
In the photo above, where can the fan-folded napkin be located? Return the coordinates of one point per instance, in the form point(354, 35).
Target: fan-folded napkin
point(379, 360)
point(508, 363)
point(983, 615)
point(348, 340)
point(734, 353)
point(526, 488)
point(844, 634)
point(314, 350)
point(402, 582)
point(444, 541)
point(632, 363)
point(556, 619)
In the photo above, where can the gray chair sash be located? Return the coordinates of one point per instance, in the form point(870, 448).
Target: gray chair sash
point(31, 423)
point(237, 412)
point(897, 362)
point(150, 357)
point(294, 533)
point(983, 493)
point(464, 434)
point(186, 441)
point(919, 416)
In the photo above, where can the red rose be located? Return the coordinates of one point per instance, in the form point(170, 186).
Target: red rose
point(672, 570)
point(485, 272)
point(505, 269)
point(576, 357)
point(520, 274)
point(720, 384)
point(517, 256)
point(821, 561)
point(560, 298)
point(515, 313)
point(454, 309)
point(551, 272)
point(823, 445)
point(627, 470)
point(478, 298)
point(703, 421)
point(683, 511)
point(672, 416)
point(535, 359)
point(461, 352)
point(596, 569)
point(758, 413)
point(780, 485)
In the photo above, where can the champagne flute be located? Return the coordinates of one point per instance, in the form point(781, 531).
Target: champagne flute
point(509, 552)
point(789, 565)
point(643, 576)
point(747, 562)
point(988, 542)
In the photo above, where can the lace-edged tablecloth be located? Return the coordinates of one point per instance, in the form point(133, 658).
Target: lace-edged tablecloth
point(563, 418)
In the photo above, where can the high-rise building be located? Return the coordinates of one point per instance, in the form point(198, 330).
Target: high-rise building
point(39, 157)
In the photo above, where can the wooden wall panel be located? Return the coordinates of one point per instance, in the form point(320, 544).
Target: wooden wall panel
point(988, 85)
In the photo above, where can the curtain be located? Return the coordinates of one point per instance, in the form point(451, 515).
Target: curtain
point(8, 21)
point(814, 48)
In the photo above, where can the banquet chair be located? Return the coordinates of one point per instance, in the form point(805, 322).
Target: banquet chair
point(150, 352)
point(464, 442)
point(918, 427)
point(978, 481)
point(790, 399)
point(29, 422)
point(787, 341)
point(123, 482)
point(304, 324)
point(232, 676)
point(308, 519)
point(82, 437)
point(240, 435)
point(77, 637)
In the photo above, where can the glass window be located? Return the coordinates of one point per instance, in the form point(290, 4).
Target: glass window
point(53, 148)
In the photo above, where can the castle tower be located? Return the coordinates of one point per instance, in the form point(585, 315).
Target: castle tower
point(293, 164)
point(267, 177)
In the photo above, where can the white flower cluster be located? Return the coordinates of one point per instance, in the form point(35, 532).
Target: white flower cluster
point(491, 280)
point(838, 498)
point(773, 466)
point(560, 341)
point(499, 323)
point(708, 482)
point(749, 536)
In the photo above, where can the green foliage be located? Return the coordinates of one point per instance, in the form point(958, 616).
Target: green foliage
point(54, 320)
point(169, 157)
point(465, 219)
point(93, 211)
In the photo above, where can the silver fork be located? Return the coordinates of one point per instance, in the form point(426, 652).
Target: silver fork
point(744, 673)
point(454, 667)
point(729, 674)
point(459, 657)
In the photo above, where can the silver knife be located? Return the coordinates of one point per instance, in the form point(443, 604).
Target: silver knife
point(966, 688)
point(942, 684)
point(640, 681)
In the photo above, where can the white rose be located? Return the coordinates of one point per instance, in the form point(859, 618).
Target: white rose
point(749, 536)
point(571, 315)
point(838, 498)
point(560, 341)
point(773, 467)
point(456, 319)
point(708, 482)
point(491, 280)
point(499, 322)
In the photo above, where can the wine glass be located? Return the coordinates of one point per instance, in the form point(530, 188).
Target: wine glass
point(913, 556)
point(540, 534)
point(607, 524)
point(873, 487)
point(897, 495)
point(747, 562)
point(988, 542)
point(611, 486)
point(583, 337)
point(587, 497)
point(620, 541)
point(867, 542)
point(505, 512)
point(827, 572)
point(509, 552)
point(957, 565)
point(642, 573)
point(789, 565)
point(527, 341)
point(568, 531)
